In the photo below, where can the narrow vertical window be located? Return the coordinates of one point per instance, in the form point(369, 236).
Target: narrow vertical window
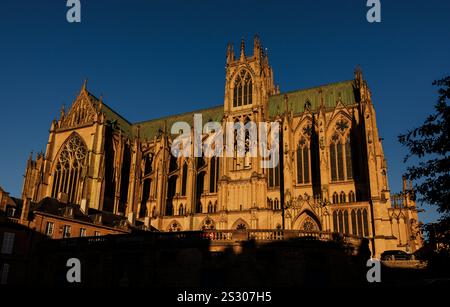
point(342, 197)
point(184, 179)
point(299, 165)
point(243, 89)
point(306, 163)
point(365, 223)
point(335, 225)
point(359, 219)
point(340, 160)
point(335, 198)
point(354, 229)
point(348, 159)
point(333, 162)
point(214, 174)
point(346, 222)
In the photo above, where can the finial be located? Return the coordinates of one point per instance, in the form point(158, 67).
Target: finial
point(63, 112)
point(286, 100)
point(358, 73)
point(256, 41)
point(229, 53)
point(242, 49)
point(84, 87)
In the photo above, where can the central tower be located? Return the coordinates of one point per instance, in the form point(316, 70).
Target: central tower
point(248, 85)
point(249, 80)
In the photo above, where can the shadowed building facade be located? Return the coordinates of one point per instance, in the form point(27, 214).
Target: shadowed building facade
point(335, 173)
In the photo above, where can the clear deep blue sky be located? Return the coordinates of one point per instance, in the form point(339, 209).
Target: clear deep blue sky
point(151, 59)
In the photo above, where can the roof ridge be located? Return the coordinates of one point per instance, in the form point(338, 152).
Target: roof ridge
point(174, 115)
point(312, 87)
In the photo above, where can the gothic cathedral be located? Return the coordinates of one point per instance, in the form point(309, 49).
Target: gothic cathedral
point(334, 172)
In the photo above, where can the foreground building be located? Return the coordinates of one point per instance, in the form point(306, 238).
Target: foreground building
point(335, 174)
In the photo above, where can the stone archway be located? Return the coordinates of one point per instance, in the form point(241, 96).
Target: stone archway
point(240, 224)
point(307, 221)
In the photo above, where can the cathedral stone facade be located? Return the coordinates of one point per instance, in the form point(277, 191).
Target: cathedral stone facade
point(334, 171)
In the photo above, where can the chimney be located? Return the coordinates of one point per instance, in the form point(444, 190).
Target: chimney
point(131, 218)
point(25, 210)
point(84, 206)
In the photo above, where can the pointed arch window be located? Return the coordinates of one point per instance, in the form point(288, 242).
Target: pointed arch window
point(351, 197)
point(171, 191)
point(274, 176)
point(341, 221)
point(340, 159)
point(214, 175)
point(210, 208)
point(146, 186)
point(243, 89)
point(335, 198)
point(354, 228)
point(276, 204)
point(69, 168)
point(348, 159)
point(346, 222)
point(199, 191)
point(303, 162)
point(173, 164)
point(365, 223)
point(342, 198)
point(148, 164)
point(335, 221)
point(359, 221)
point(181, 210)
point(184, 179)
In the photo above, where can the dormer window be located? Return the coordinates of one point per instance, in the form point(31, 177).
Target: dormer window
point(243, 89)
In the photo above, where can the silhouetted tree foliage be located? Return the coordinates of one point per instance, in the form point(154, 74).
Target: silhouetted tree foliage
point(429, 145)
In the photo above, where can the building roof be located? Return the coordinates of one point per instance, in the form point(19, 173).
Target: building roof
point(329, 94)
point(54, 207)
point(149, 129)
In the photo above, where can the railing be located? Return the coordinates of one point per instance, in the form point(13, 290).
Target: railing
point(275, 235)
point(215, 236)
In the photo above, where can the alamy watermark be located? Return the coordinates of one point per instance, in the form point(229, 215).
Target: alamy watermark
point(239, 140)
point(74, 12)
point(374, 13)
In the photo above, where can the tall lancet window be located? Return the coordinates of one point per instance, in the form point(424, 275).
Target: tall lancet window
point(214, 174)
point(337, 159)
point(348, 159)
point(302, 162)
point(243, 89)
point(69, 168)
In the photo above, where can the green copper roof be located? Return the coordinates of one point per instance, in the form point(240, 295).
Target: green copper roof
point(149, 129)
point(330, 94)
point(117, 119)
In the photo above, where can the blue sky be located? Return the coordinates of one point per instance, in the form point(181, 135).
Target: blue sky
point(155, 58)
